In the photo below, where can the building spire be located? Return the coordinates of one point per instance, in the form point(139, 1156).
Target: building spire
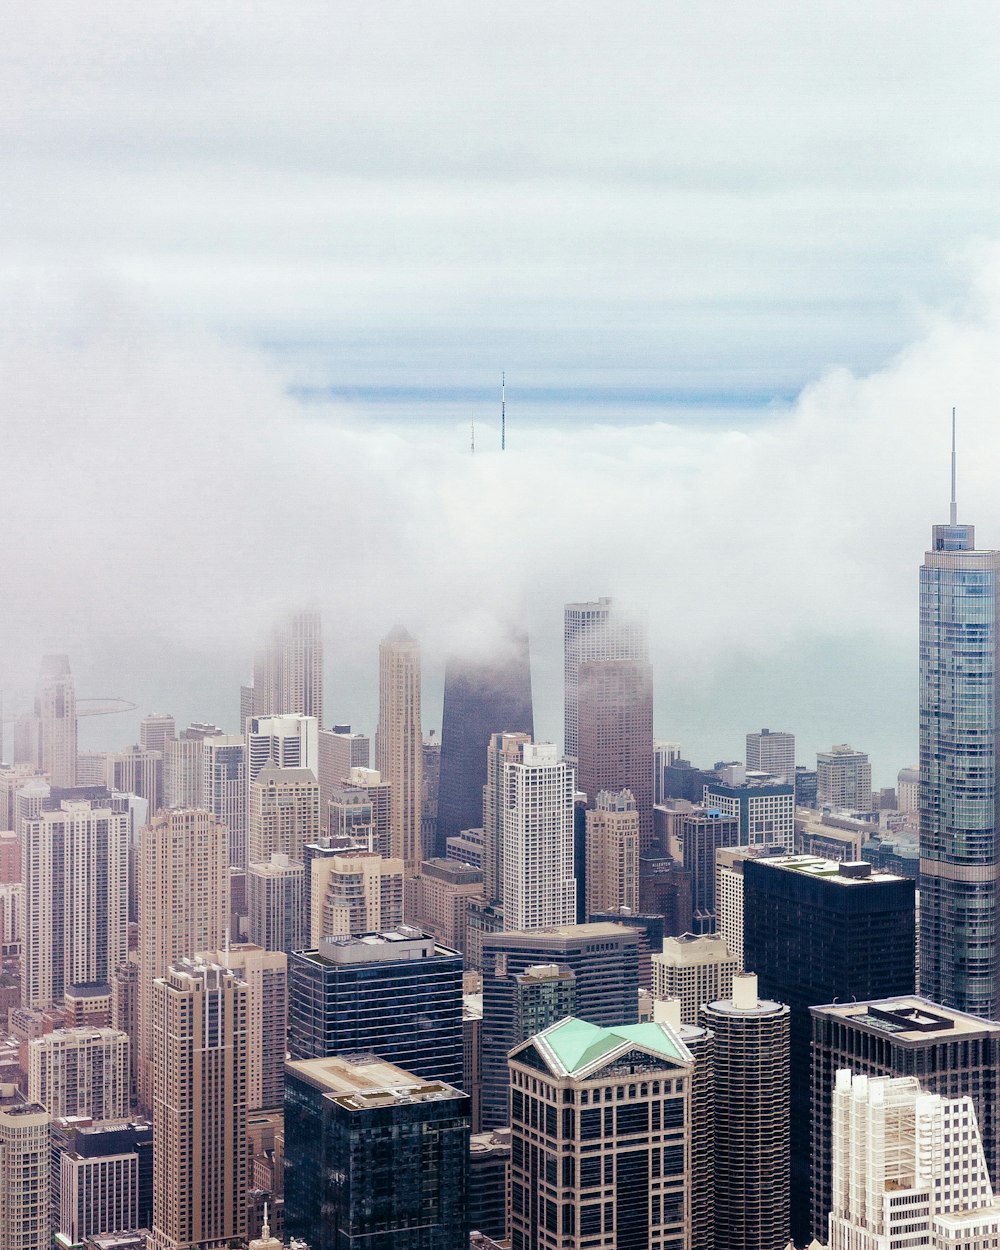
point(503, 412)
point(954, 501)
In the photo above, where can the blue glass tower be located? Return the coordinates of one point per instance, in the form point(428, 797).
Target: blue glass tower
point(959, 860)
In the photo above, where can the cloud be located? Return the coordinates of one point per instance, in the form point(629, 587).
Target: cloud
point(164, 490)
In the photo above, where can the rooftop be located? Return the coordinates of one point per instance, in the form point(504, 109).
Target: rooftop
point(360, 1082)
point(573, 1045)
point(909, 1018)
point(843, 873)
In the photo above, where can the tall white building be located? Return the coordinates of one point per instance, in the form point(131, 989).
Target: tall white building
point(664, 754)
point(908, 789)
point(908, 1169)
point(844, 779)
point(595, 631)
point(25, 1155)
point(55, 714)
point(224, 789)
point(74, 874)
point(288, 670)
point(771, 751)
point(80, 1072)
point(284, 741)
point(539, 889)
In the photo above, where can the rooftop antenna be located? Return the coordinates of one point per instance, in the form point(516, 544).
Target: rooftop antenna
point(473, 433)
point(503, 411)
point(954, 502)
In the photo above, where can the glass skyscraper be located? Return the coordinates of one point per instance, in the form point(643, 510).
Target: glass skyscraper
point(959, 861)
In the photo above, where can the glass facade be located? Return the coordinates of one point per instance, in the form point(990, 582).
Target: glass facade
point(389, 1177)
point(959, 861)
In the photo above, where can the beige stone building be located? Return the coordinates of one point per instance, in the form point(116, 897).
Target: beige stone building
point(612, 841)
point(400, 742)
point(355, 893)
point(694, 969)
point(283, 813)
point(80, 1072)
point(438, 900)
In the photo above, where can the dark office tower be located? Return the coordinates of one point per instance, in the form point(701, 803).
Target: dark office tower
point(595, 631)
point(431, 785)
point(615, 734)
point(605, 961)
point(489, 1177)
point(376, 1158)
point(601, 1131)
point(818, 932)
point(695, 838)
point(396, 994)
point(751, 1088)
point(666, 889)
point(651, 932)
point(959, 744)
point(102, 1178)
point(951, 1053)
point(482, 696)
point(521, 1004)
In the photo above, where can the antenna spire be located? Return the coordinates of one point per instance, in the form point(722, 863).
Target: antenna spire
point(503, 412)
point(473, 433)
point(954, 501)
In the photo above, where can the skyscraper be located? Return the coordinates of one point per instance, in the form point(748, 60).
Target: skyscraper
point(199, 1027)
point(844, 779)
point(156, 730)
point(954, 1053)
point(599, 1157)
point(74, 872)
point(183, 906)
point(751, 1088)
point(595, 631)
point(694, 970)
point(277, 917)
point(400, 741)
point(612, 850)
point(137, 770)
point(224, 789)
point(376, 1158)
point(503, 749)
point(102, 1179)
point(908, 1168)
point(288, 670)
point(55, 713)
point(285, 741)
point(80, 1072)
point(816, 931)
point(615, 734)
point(354, 893)
point(283, 814)
point(771, 751)
point(538, 888)
point(25, 1153)
point(959, 700)
point(764, 805)
point(483, 695)
point(339, 752)
point(695, 836)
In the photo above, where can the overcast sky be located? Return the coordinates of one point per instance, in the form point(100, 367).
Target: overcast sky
point(737, 261)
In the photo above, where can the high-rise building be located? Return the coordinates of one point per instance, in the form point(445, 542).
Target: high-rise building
point(289, 741)
point(376, 1158)
point(396, 994)
point(615, 734)
point(137, 770)
point(55, 716)
point(400, 742)
point(729, 863)
point(751, 1096)
point(908, 1168)
point(277, 919)
point(694, 970)
point(430, 786)
point(156, 730)
point(599, 1157)
point(908, 790)
point(25, 1153)
point(959, 742)
point(74, 871)
point(182, 771)
point(489, 1179)
point(694, 838)
point(80, 1072)
point(664, 754)
point(102, 1178)
point(283, 814)
point(955, 1054)
point(224, 789)
point(183, 906)
point(764, 806)
point(603, 958)
point(521, 1004)
point(844, 779)
point(288, 670)
point(483, 696)
point(265, 974)
point(595, 631)
point(772, 751)
point(538, 888)
point(354, 893)
point(199, 1025)
point(816, 931)
point(339, 752)
point(360, 809)
point(438, 900)
point(612, 849)
point(503, 749)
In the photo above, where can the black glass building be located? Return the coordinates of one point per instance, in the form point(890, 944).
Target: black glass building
point(818, 932)
point(397, 995)
point(375, 1159)
point(481, 697)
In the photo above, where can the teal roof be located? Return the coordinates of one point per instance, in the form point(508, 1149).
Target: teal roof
point(577, 1045)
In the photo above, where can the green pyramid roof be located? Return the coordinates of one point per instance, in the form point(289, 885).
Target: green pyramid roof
point(576, 1044)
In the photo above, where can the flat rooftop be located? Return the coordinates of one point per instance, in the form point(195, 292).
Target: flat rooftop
point(360, 1082)
point(842, 872)
point(909, 1018)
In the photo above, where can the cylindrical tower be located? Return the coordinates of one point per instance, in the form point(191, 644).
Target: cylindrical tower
point(751, 1095)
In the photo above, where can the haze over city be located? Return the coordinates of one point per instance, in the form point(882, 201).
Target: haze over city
point(260, 274)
